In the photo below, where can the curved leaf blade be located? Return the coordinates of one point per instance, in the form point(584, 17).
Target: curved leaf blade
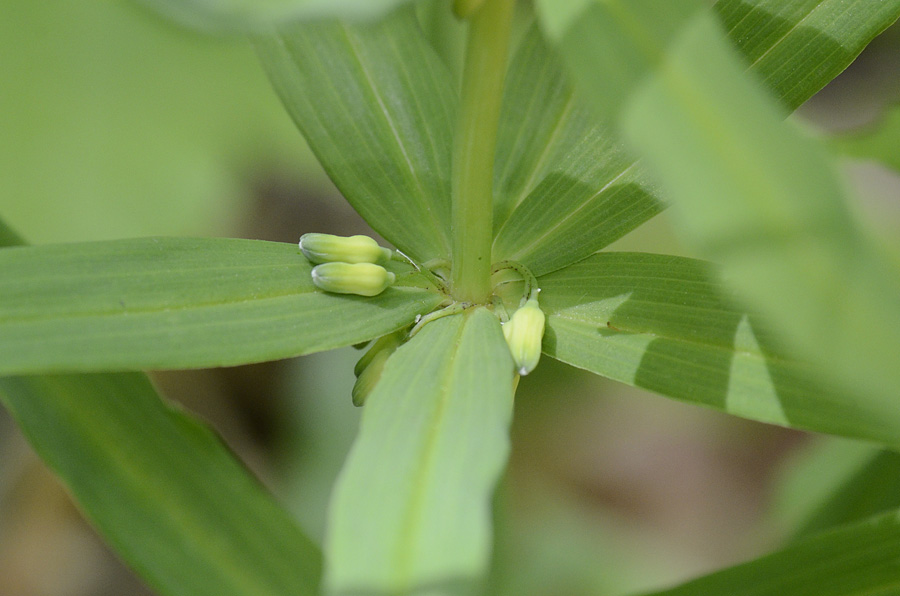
point(162, 488)
point(858, 560)
point(161, 303)
point(835, 483)
point(411, 510)
point(662, 323)
point(376, 105)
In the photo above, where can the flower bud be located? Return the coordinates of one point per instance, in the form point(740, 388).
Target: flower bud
point(364, 279)
point(524, 332)
point(326, 248)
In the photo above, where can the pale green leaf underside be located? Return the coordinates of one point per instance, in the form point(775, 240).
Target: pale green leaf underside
point(411, 510)
point(376, 105)
point(163, 303)
point(565, 187)
point(858, 560)
point(662, 323)
point(162, 488)
point(249, 15)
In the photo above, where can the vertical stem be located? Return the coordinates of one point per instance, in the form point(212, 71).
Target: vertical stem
point(473, 150)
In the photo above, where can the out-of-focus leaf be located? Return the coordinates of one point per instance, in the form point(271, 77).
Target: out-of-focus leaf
point(664, 324)
point(376, 105)
point(179, 303)
point(250, 15)
point(858, 560)
point(879, 142)
point(754, 194)
point(162, 488)
point(411, 510)
point(837, 482)
point(564, 186)
point(115, 125)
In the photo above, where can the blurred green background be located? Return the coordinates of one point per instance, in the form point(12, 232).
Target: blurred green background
point(114, 123)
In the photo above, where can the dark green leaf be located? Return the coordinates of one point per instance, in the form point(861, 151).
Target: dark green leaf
point(411, 511)
point(179, 303)
point(858, 560)
point(837, 482)
point(662, 323)
point(376, 105)
point(162, 488)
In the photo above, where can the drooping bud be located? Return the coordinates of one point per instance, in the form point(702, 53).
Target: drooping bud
point(327, 248)
point(368, 369)
point(364, 279)
point(524, 332)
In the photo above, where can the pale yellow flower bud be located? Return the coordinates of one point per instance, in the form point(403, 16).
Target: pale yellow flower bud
point(364, 279)
point(326, 248)
point(524, 332)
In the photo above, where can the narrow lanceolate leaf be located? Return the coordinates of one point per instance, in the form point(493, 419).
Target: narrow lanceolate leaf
point(662, 323)
point(162, 303)
point(564, 184)
point(250, 15)
point(858, 560)
point(376, 105)
point(753, 193)
point(411, 510)
point(162, 488)
point(836, 482)
point(796, 47)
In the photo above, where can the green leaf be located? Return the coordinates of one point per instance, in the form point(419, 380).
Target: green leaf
point(411, 510)
point(248, 15)
point(179, 303)
point(858, 560)
point(754, 194)
point(162, 488)
point(376, 105)
point(796, 47)
point(564, 186)
point(837, 482)
point(663, 323)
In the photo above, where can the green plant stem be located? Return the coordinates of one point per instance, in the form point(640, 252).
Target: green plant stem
point(473, 150)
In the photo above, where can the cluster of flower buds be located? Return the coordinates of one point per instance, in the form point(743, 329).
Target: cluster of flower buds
point(368, 369)
point(524, 332)
point(347, 265)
